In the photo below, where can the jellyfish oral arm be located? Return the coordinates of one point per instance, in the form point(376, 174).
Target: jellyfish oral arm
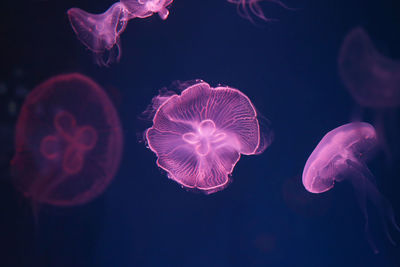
point(365, 189)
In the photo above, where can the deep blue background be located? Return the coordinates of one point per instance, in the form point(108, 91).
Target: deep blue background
point(265, 217)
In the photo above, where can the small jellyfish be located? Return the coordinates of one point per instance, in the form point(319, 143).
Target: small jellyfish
point(199, 135)
point(341, 155)
point(249, 8)
point(146, 8)
point(372, 78)
point(68, 142)
point(100, 32)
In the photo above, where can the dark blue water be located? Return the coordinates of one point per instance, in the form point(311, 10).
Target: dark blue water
point(265, 217)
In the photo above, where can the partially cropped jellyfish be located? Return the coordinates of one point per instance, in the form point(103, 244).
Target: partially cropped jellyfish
point(199, 135)
point(372, 78)
point(341, 155)
point(251, 8)
point(68, 142)
point(100, 32)
point(146, 8)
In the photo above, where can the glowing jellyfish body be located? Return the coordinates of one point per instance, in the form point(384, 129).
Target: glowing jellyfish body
point(251, 8)
point(100, 32)
point(372, 79)
point(198, 136)
point(146, 8)
point(68, 142)
point(341, 155)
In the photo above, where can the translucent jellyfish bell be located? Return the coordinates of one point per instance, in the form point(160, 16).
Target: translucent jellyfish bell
point(341, 155)
point(146, 8)
point(68, 142)
point(198, 136)
point(100, 32)
point(372, 78)
point(251, 8)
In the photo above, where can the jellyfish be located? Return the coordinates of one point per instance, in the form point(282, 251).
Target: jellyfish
point(100, 33)
point(372, 79)
point(68, 142)
point(146, 8)
point(341, 155)
point(199, 135)
point(251, 8)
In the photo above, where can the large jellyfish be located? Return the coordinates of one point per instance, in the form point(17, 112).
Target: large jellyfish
point(341, 155)
point(199, 135)
point(146, 8)
point(251, 8)
point(372, 78)
point(100, 33)
point(68, 142)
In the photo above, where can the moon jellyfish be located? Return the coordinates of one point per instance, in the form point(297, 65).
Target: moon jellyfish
point(100, 32)
point(199, 135)
point(68, 142)
point(372, 78)
point(146, 8)
point(341, 155)
point(251, 8)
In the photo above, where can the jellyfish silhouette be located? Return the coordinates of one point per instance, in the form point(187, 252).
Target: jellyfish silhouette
point(100, 32)
point(372, 78)
point(146, 8)
point(341, 155)
point(68, 142)
point(251, 8)
point(199, 135)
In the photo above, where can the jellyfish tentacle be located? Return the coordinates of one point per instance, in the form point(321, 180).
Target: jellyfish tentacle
point(380, 127)
point(370, 192)
point(249, 9)
point(107, 57)
point(381, 202)
point(386, 212)
point(360, 189)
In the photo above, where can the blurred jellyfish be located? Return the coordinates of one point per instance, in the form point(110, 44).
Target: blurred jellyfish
point(251, 8)
point(146, 8)
point(100, 32)
point(341, 155)
point(199, 135)
point(68, 142)
point(372, 79)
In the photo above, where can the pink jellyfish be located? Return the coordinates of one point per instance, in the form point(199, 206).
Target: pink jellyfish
point(341, 155)
point(249, 8)
point(146, 8)
point(68, 142)
point(199, 135)
point(372, 79)
point(100, 32)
